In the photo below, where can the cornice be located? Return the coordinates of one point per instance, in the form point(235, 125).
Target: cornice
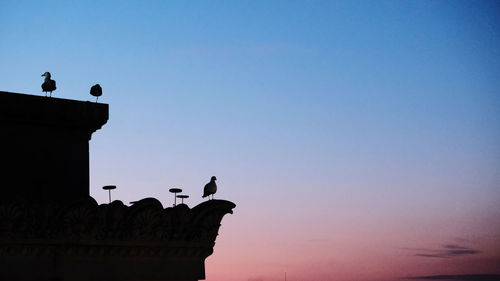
point(86, 228)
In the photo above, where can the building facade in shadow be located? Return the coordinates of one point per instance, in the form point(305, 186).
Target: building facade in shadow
point(50, 227)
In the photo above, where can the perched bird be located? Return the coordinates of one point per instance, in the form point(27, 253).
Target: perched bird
point(48, 85)
point(96, 91)
point(210, 188)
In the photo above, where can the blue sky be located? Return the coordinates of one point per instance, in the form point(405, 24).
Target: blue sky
point(363, 111)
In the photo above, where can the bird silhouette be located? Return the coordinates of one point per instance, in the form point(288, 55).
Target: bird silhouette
point(48, 85)
point(210, 188)
point(96, 91)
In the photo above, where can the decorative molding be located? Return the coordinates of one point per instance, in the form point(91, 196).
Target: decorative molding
point(86, 228)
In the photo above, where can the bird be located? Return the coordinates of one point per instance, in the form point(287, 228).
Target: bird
point(96, 91)
point(210, 188)
point(48, 85)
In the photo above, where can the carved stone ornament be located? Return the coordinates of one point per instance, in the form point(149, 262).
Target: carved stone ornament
point(179, 238)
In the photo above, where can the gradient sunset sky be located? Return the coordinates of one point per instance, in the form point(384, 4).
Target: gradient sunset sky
point(360, 140)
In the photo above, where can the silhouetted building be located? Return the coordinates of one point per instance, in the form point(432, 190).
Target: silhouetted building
point(44, 146)
point(51, 229)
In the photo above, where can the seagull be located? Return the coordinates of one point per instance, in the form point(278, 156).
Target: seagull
point(48, 85)
point(96, 91)
point(210, 188)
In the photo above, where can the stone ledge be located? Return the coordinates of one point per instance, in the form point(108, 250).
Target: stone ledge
point(34, 110)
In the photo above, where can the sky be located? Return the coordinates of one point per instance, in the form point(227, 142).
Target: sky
point(360, 140)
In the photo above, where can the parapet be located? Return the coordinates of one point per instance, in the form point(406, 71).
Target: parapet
point(29, 111)
point(45, 146)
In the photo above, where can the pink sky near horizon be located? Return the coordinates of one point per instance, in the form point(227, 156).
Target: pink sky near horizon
point(387, 254)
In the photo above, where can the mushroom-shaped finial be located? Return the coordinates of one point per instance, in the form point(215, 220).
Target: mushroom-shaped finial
point(109, 188)
point(182, 196)
point(175, 191)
